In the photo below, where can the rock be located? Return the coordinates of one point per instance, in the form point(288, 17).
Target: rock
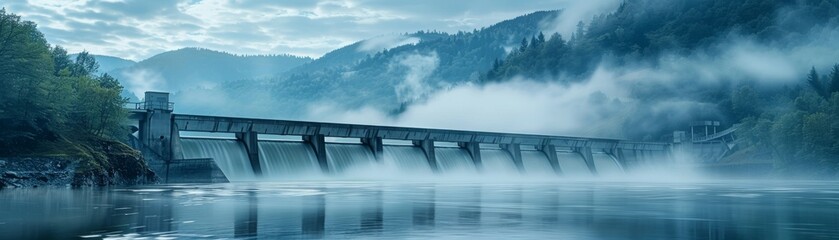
point(11, 175)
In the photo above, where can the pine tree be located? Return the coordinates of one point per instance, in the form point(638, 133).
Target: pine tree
point(834, 79)
point(580, 30)
point(816, 82)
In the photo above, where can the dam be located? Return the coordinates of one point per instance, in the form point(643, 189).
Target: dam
point(186, 148)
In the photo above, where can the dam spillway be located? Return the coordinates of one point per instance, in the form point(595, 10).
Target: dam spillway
point(297, 160)
point(536, 163)
point(228, 154)
point(406, 159)
point(287, 159)
point(452, 159)
point(309, 149)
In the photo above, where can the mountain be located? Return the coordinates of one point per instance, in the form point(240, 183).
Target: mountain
point(642, 30)
point(691, 54)
point(354, 76)
point(109, 63)
point(350, 55)
point(189, 68)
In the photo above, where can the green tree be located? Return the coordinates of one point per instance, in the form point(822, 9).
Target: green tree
point(745, 102)
point(97, 110)
point(815, 82)
point(834, 79)
point(47, 97)
point(109, 82)
point(523, 46)
point(85, 65)
point(60, 59)
point(25, 68)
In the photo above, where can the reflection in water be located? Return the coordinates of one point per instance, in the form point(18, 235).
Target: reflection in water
point(423, 209)
point(470, 207)
point(372, 216)
point(314, 215)
point(511, 197)
point(153, 216)
point(377, 210)
point(246, 218)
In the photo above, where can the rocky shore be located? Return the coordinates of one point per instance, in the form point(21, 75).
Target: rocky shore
point(23, 172)
point(102, 163)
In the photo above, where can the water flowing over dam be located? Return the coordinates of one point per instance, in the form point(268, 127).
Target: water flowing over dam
point(296, 160)
point(265, 149)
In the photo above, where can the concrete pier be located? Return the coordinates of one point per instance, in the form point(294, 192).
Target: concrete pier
point(319, 146)
point(427, 147)
point(474, 150)
point(515, 151)
point(251, 143)
point(550, 153)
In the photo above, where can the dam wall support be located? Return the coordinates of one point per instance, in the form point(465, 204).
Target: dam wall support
point(427, 147)
point(375, 145)
point(618, 154)
point(250, 140)
point(515, 151)
point(587, 156)
point(474, 150)
point(550, 153)
point(318, 144)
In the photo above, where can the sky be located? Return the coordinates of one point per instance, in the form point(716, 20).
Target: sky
point(138, 29)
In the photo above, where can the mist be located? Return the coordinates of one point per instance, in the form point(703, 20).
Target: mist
point(575, 12)
point(140, 81)
point(417, 67)
point(620, 98)
point(613, 102)
point(386, 42)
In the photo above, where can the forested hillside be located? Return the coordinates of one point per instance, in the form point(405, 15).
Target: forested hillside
point(202, 68)
point(391, 78)
point(348, 56)
point(671, 61)
point(684, 49)
point(46, 96)
point(798, 128)
point(108, 64)
point(642, 30)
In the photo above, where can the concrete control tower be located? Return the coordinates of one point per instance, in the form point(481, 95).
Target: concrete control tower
point(156, 126)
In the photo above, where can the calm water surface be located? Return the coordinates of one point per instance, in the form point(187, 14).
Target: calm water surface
point(365, 210)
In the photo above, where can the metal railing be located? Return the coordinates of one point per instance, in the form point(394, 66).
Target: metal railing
point(717, 135)
point(149, 105)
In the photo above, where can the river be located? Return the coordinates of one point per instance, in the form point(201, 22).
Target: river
point(428, 210)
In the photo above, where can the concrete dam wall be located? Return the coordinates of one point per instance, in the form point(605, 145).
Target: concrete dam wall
point(297, 160)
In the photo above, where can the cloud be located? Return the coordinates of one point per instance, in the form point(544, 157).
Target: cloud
point(386, 42)
point(255, 102)
point(417, 68)
point(576, 11)
point(138, 29)
point(139, 81)
point(636, 101)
